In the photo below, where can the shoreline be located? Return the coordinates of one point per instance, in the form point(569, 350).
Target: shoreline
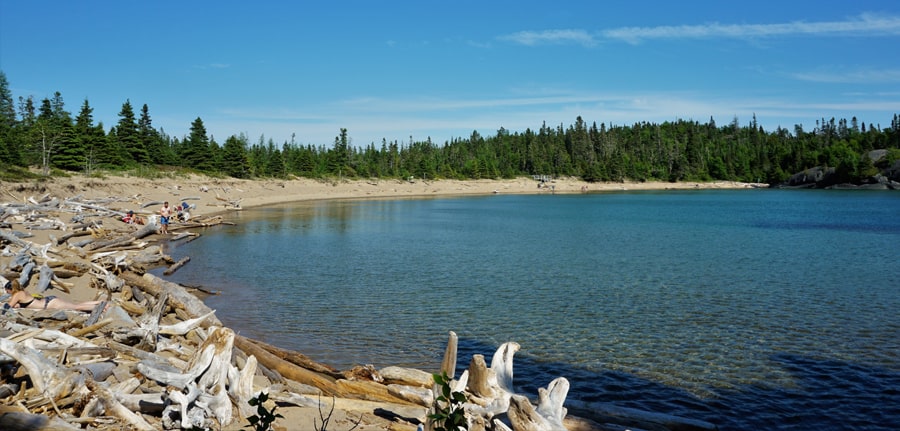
point(208, 193)
point(213, 197)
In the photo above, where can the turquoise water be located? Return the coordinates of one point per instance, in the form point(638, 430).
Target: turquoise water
point(751, 309)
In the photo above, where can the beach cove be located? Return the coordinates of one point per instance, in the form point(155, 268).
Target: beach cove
point(211, 196)
point(749, 309)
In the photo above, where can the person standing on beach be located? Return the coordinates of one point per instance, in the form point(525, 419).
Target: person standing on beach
point(164, 213)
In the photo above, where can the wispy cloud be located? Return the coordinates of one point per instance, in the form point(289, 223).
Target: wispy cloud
point(867, 24)
point(212, 66)
point(851, 77)
point(532, 38)
point(371, 119)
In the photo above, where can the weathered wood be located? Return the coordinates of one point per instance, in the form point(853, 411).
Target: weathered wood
point(149, 229)
point(185, 326)
point(73, 234)
point(148, 358)
point(67, 273)
point(298, 359)
point(48, 378)
point(288, 370)
point(149, 323)
point(106, 402)
point(206, 380)
point(178, 296)
point(448, 365)
point(12, 239)
point(171, 270)
point(406, 376)
point(367, 390)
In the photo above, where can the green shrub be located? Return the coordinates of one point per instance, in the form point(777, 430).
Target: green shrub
point(449, 414)
point(264, 418)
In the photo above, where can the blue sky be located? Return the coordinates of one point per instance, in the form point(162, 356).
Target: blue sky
point(394, 70)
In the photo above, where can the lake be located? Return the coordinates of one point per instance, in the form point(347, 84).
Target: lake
point(750, 309)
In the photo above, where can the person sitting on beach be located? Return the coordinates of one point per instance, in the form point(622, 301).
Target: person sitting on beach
point(130, 218)
point(19, 298)
point(183, 215)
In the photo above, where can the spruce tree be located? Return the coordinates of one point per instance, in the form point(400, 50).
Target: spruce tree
point(234, 157)
point(128, 136)
point(7, 121)
point(149, 138)
point(196, 152)
point(72, 155)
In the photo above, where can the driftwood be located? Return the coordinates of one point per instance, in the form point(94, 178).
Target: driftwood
point(178, 297)
point(288, 370)
point(206, 382)
point(73, 234)
point(230, 203)
point(171, 270)
point(149, 229)
point(492, 395)
point(49, 379)
point(296, 358)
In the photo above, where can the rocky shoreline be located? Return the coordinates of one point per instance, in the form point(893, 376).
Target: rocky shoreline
point(158, 358)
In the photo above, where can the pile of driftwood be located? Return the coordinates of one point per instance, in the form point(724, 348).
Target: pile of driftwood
point(158, 358)
point(152, 356)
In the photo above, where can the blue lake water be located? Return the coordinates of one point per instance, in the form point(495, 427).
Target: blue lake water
point(750, 309)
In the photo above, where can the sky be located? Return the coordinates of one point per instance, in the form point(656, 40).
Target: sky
point(300, 71)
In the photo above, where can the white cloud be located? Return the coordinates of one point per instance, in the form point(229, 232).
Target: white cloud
point(868, 76)
point(532, 38)
point(865, 24)
point(369, 120)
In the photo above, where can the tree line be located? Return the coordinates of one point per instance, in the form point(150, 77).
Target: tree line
point(46, 135)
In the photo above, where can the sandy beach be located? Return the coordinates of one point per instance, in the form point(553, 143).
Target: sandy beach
point(213, 196)
point(208, 193)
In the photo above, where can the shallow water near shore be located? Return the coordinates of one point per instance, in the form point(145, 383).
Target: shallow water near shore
point(750, 309)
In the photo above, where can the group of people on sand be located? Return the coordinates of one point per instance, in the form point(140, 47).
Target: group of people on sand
point(20, 298)
point(166, 215)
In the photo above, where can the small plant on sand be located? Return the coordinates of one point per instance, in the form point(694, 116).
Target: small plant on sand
point(327, 418)
point(449, 414)
point(264, 418)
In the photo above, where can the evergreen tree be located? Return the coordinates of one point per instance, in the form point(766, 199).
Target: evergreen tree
point(339, 156)
point(149, 138)
point(7, 122)
point(196, 151)
point(72, 155)
point(234, 157)
point(128, 136)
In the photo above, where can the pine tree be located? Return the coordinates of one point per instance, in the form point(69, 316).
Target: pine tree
point(129, 137)
point(7, 122)
point(72, 154)
point(234, 157)
point(149, 138)
point(196, 151)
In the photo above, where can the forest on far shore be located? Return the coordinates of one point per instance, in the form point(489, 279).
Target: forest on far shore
point(47, 135)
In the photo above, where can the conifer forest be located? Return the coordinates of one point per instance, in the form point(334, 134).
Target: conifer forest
point(47, 135)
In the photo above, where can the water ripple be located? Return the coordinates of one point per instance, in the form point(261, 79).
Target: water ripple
point(732, 307)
